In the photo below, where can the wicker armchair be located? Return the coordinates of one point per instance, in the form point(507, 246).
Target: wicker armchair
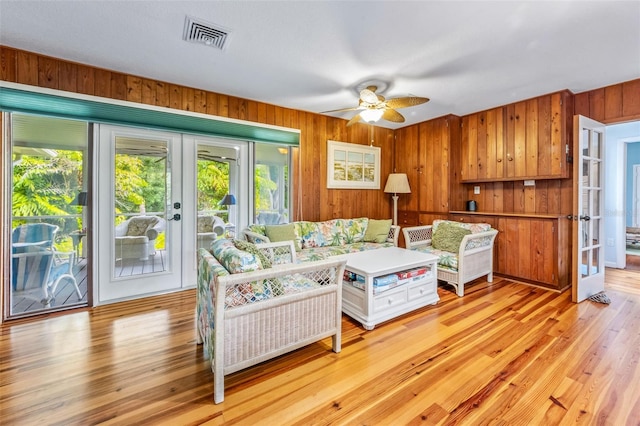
point(208, 229)
point(136, 237)
point(473, 259)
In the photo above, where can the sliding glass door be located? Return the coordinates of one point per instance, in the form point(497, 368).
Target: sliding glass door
point(49, 174)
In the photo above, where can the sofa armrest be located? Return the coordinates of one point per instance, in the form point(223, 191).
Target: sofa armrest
point(417, 236)
point(254, 237)
point(281, 252)
point(394, 234)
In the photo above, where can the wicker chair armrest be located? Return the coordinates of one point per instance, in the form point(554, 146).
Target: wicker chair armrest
point(478, 241)
point(417, 236)
point(326, 272)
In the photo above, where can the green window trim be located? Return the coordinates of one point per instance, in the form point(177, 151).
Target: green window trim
point(33, 102)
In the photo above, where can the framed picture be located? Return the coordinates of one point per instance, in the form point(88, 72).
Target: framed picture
point(352, 166)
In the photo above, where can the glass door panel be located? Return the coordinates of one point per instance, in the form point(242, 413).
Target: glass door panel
point(140, 194)
point(271, 179)
point(50, 211)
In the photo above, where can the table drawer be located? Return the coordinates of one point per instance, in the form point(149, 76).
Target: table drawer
point(390, 299)
point(422, 288)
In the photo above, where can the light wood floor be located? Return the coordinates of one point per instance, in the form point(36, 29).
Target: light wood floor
point(505, 354)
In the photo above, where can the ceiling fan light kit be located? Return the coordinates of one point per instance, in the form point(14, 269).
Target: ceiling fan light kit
point(371, 115)
point(374, 107)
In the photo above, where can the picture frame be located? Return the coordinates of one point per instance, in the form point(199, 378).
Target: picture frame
point(352, 166)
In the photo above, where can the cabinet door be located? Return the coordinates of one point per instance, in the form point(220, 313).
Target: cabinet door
point(523, 140)
point(407, 161)
point(469, 148)
point(527, 249)
point(433, 173)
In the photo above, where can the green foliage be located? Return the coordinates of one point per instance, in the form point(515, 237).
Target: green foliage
point(265, 187)
point(213, 184)
point(45, 186)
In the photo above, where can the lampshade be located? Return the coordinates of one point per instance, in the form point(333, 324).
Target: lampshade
point(228, 200)
point(80, 200)
point(371, 115)
point(397, 183)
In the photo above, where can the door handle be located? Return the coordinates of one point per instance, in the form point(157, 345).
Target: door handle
point(175, 217)
point(585, 218)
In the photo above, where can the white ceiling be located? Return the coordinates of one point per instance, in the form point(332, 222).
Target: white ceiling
point(466, 56)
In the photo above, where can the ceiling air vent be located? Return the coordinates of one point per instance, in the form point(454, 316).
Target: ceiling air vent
point(205, 33)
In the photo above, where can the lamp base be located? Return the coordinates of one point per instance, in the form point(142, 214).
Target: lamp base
point(395, 208)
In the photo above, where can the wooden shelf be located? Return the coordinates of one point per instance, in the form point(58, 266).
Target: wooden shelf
point(502, 214)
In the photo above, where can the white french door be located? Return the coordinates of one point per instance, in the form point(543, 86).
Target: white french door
point(138, 213)
point(588, 225)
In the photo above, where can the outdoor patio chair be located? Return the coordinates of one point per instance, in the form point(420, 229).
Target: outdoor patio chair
point(37, 273)
point(136, 237)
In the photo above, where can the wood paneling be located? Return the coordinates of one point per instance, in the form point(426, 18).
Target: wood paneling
point(529, 248)
point(612, 104)
point(431, 153)
point(316, 201)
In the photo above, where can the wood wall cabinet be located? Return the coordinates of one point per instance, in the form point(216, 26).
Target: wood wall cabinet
point(530, 248)
point(525, 140)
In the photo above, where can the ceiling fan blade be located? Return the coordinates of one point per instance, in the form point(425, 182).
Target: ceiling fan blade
point(369, 96)
point(342, 110)
point(355, 119)
point(392, 115)
point(405, 102)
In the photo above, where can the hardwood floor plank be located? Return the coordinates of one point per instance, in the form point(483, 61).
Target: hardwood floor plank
point(505, 353)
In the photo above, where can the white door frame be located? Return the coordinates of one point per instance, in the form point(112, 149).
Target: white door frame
point(588, 216)
point(635, 197)
point(109, 288)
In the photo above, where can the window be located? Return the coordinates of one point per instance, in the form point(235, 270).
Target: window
point(272, 180)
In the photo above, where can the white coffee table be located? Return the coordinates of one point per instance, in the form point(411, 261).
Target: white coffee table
point(371, 309)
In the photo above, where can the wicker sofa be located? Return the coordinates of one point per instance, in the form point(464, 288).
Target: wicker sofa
point(258, 304)
point(321, 240)
point(473, 257)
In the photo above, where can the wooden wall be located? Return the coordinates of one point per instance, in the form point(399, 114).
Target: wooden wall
point(311, 199)
point(617, 103)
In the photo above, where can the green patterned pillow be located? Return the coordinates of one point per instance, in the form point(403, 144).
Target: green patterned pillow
point(377, 230)
point(251, 248)
point(286, 232)
point(448, 237)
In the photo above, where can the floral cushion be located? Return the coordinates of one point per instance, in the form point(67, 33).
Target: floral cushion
point(319, 253)
point(331, 231)
point(473, 227)
point(446, 259)
point(138, 226)
point(354, 230)
point(309, 234)
point(233, 259)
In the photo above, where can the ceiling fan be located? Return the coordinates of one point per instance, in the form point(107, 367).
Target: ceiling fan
point(374, 107)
